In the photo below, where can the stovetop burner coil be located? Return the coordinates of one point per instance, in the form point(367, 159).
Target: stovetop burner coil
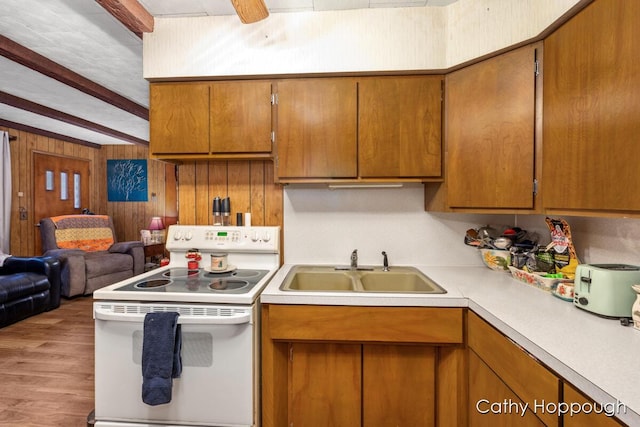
point(154, 283)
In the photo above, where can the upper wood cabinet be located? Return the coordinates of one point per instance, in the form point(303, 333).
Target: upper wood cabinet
point(592, 111)
point(490, 133)
point(353, 128)
point(316, 132)
point(211, 119)
point(400, 127)
point(179, 118)
point(241, 117)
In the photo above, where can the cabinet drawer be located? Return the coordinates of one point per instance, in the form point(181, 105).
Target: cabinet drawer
point(365, 324)
point(530, 380)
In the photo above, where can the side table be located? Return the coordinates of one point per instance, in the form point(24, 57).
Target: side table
point(155, 252)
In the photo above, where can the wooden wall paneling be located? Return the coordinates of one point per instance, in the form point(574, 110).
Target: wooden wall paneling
point(114, 209)
point(218, 185)
point(203, 211)
point(129, 217)
point(170, 193)
point(239, 187)
point(99, 179)
point(186, 193)
point(274, 210)
point(258, 189)
point(249, 184)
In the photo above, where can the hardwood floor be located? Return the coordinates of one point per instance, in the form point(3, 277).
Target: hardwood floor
point(46, 368)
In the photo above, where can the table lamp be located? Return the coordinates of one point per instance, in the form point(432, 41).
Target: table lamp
point(157, 229)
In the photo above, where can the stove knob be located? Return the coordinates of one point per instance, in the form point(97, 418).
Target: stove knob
point(188, 235)
point(177, 235)
point(266, 237)
point(254, 236)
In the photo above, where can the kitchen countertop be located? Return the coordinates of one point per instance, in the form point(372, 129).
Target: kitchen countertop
point(597, 355)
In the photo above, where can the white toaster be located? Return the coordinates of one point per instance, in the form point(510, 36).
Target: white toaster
point(605, 289)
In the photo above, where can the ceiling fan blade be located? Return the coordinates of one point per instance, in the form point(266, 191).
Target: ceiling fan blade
point(250, 11)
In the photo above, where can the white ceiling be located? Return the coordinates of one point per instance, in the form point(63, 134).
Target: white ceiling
point(81, 36)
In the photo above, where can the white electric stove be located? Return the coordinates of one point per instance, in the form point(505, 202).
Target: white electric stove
point(219, 318)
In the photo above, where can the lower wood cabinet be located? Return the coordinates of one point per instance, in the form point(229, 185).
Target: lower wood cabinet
point(354, 366)
point(514, 377)
point(491, 402)
point(325, 384)
point(586, 418)
point(362, 366)
point(399, 385)
point(332, 384)
point(509, 387)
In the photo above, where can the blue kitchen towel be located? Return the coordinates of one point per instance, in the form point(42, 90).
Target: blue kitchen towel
point(161, 345)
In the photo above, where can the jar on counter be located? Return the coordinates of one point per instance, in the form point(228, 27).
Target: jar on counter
point(219, 262)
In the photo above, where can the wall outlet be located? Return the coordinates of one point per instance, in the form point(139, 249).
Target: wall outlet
point(23, 214)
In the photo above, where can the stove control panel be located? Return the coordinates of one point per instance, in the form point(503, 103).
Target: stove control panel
point(209, 238)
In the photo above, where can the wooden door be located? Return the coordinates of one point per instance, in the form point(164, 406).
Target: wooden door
point(179, 118)
point(61, 187)
point(592, 109)
point(325, 385)
point(486, 389)
point(490, 108)
point(241, 117)
point(398, 385)
point(399, 126)
point(316, 133)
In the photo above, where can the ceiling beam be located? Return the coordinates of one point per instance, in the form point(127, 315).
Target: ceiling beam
point(33, 60)
point(24, 104)
point(48, 134)
point(131, 14)
point(250, 11)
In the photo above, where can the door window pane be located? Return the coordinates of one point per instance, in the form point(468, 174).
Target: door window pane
point(76, 190)
point(64, 195)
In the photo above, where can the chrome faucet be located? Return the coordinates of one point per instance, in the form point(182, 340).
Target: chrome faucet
point(385, 262)
point(354, 259)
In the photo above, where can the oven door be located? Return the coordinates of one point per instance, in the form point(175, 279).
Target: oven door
point(218, 383)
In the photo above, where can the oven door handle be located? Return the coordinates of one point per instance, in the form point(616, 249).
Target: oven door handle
point(235, 319)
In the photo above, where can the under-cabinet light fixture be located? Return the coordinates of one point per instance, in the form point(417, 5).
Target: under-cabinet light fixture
point(347, 186)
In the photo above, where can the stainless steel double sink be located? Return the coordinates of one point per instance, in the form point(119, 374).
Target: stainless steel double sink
point(401, 279)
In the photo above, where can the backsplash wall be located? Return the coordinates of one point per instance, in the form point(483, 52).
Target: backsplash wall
point(323, 226)
point(597, 240)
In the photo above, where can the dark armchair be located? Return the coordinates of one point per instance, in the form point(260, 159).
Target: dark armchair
point(90, 257)
point(28, 286)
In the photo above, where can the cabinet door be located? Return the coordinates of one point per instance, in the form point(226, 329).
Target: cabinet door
point(592, 110)
point(582, 418)
point(489, 132)
point(399, 385)
point(491, 402)
point(179, 118)
point(241, 117)
point(317, 128)
point(399, 126)
point(522, 374)
point(325, 385)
